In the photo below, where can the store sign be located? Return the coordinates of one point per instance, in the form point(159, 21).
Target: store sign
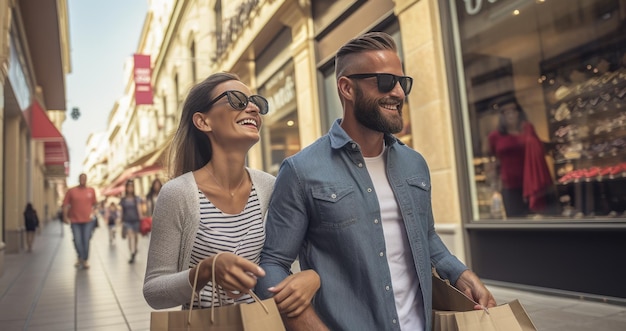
point(143, 76)
point(473, 7)
point(280, 90)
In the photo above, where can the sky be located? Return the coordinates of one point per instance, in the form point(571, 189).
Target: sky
point(103, 36)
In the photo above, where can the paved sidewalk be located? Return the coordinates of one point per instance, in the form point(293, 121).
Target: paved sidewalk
point(43, 291)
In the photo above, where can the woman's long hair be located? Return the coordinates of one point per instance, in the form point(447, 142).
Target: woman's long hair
point(153, 192)
point(129, 182)
point(191, 148)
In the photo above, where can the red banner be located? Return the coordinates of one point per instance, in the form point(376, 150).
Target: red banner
point(143, 74)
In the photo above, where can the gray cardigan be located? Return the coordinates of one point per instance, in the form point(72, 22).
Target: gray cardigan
point(174, 226)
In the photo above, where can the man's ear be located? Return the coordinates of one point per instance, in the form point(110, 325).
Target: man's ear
point(346, 88)
point(202, 122)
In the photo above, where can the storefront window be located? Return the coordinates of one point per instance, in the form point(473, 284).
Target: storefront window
point(284, 141)
point(281, 135)
point(332, 106)
point(544, 102)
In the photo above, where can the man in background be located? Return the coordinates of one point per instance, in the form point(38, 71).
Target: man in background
point(79, 208)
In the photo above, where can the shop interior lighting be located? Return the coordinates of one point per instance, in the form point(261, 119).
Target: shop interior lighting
point(508, 8)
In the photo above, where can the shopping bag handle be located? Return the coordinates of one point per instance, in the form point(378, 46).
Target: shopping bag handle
point(214, 290)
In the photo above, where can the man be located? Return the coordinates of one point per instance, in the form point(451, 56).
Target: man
point(79, 208)
point(356, 207)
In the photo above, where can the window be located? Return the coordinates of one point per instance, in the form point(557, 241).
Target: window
point(166, 115)
point(194, 61)
point(218, 24)
point(545, 85)
point(284, 137)
point(281, 134)
point(177, 93)
point(332, 106)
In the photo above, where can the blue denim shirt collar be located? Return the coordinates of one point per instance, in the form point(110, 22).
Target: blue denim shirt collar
point(339, 138)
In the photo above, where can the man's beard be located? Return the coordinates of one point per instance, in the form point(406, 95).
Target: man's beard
point(367, 113)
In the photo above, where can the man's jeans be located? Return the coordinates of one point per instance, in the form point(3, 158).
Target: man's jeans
point(82, 235)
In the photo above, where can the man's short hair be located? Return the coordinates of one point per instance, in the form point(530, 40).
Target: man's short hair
point(371, 41)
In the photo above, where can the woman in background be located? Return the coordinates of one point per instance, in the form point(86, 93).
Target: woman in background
point(31, 221)
point(112, 216)
point(131, 216)
point(152, 196)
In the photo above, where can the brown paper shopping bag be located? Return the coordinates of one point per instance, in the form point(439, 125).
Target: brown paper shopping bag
point(454, 311)
point(261, 315)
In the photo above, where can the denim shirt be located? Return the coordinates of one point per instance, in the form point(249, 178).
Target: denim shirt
point(324, 209)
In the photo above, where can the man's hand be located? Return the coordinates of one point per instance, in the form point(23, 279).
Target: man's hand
point(473, 287)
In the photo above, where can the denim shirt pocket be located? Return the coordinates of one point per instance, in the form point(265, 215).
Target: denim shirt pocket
point(335, 206)
point(419, 188)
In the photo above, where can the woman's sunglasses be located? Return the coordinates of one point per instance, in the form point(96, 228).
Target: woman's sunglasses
point(386, 82)
point(239, 101)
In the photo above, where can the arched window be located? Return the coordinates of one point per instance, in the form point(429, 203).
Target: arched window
point(192, 55)
point(176, 91)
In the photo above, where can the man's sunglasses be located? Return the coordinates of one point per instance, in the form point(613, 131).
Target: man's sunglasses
point(239, 101)
point(386, 82)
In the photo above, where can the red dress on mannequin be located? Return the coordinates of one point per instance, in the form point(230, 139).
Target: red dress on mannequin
point(523, 169)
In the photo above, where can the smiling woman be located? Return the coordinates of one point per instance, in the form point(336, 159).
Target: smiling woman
point(215, 204)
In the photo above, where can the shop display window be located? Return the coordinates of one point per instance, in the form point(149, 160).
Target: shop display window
point(544, 85)
point(284, 141)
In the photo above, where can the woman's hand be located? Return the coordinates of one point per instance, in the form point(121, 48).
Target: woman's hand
point(293, 295)
point(234, 273)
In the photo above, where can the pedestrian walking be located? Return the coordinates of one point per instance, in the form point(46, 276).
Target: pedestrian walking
point(79, 209)
point(131, 216)
point(112, 214)
point(60, 219)
point(151, 197)
point(31, 222)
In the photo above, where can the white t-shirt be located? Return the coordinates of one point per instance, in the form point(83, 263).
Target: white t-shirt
point(406, 288)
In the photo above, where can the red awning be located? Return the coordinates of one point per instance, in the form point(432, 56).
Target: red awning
point(42, 129)
point(145, 171)
point(120, 181)
point(119, 184)
point(114, 190)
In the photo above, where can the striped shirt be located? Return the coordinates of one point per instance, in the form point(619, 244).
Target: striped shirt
point(242, 234)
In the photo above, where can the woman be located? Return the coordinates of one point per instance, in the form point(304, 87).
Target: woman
point(215, 204)
point(131, 216)
point(523, 171)
point(151, 198)
point(112, 216)
point(31, 221)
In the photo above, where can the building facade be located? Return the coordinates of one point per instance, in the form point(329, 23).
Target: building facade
point(562, 63)
point(34, 60)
